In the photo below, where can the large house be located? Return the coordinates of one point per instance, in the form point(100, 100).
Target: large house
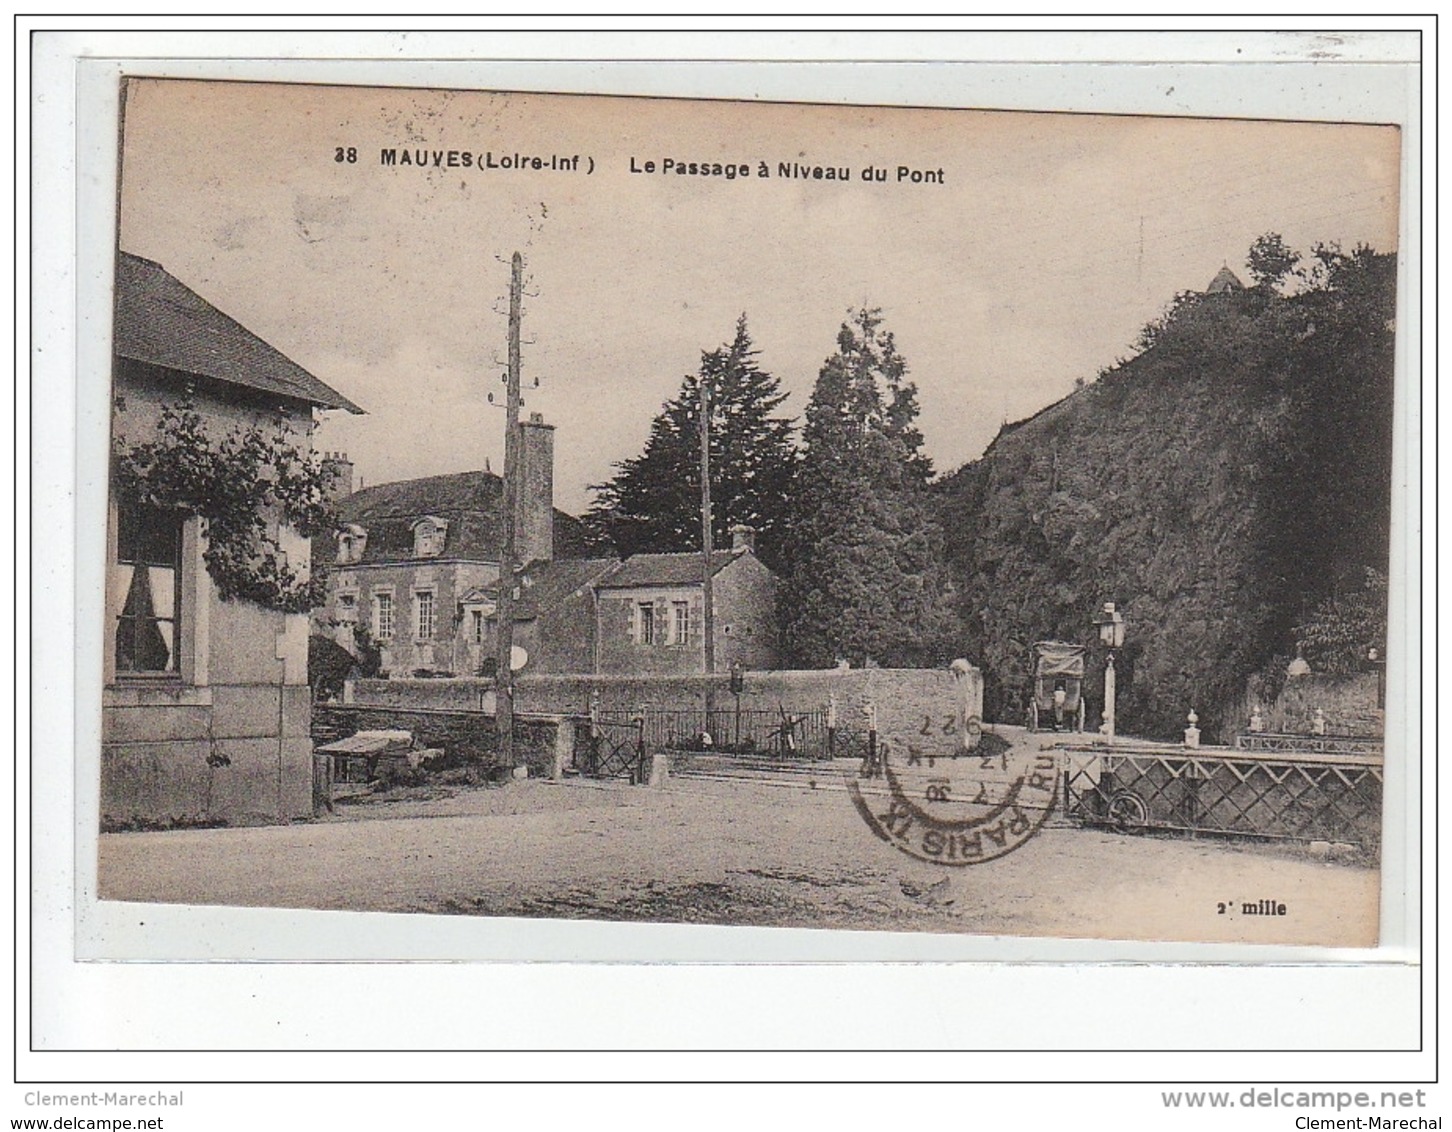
point(416, 564)
point(206, 705)
point(413, 559)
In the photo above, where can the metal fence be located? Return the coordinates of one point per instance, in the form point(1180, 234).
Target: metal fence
point(1299, 795)
point(1309, 744)
point(777, 734)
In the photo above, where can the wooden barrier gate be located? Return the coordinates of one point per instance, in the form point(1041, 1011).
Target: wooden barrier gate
point(610, 748)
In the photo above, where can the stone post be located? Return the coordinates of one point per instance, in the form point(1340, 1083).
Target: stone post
point(564, 752)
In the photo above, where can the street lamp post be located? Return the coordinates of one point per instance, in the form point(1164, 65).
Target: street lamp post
point(1111, 632)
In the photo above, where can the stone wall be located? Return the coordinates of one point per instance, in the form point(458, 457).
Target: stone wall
point(914, 707)
point(538, 741)
point(1351, 704)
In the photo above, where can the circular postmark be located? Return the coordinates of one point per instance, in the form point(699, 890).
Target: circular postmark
point(937, 799)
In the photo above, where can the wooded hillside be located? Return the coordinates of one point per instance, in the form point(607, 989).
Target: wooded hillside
point(1218, 486)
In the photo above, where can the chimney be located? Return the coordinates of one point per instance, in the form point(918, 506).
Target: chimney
point(743, 537)
point(338, 475)
point(535, 533)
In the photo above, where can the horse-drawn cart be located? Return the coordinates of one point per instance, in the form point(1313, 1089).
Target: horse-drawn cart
point(1057, 699)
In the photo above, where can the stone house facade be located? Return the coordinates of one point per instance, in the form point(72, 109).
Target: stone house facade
point(650, 614)
point(205, 705)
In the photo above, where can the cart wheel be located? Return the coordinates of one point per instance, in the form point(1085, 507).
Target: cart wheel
point(1127, 811)
point(1080, 726)
point(1033, 717)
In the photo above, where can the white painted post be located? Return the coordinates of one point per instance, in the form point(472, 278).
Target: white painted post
point(1109, 698)
point(1192, 733)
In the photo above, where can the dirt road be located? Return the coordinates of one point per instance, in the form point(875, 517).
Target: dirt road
point(739, 852)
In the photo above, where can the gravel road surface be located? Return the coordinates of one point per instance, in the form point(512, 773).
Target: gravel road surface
point(736, 852)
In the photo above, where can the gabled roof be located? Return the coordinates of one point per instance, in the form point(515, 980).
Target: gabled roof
point(667, 569)
point(1225, 280)
point(551, 583)
point(547, 585)
point(469, 501)
point(161, 321)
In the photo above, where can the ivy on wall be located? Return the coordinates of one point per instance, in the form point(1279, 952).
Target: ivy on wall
point(238, 486)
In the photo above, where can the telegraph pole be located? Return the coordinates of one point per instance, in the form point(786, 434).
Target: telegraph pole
point(709, 617)
point(708, 602)
point(504, 672)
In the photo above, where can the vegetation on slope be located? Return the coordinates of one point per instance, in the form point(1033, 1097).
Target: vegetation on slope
point(1219, 486)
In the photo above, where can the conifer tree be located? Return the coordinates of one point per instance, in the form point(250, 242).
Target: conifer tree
point(865, 580)
point(653, 503)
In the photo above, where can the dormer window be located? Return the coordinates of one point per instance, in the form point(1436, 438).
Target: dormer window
point(351, 541)
point(428, 536)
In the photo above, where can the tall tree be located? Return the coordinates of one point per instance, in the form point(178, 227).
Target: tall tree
point(653, 503)
point(866, 580)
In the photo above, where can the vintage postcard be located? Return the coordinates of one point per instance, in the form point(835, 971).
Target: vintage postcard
point(781, 515)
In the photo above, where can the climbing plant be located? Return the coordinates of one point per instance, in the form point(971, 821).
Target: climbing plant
point(238, 486)
point(1342, 631)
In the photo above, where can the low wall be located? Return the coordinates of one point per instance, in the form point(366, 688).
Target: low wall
point(914, 707)
point(1351, 704)
point(538, 742)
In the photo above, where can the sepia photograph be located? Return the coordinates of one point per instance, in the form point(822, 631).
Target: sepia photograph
point(751, 514)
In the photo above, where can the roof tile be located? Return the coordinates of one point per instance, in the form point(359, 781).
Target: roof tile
point(162, 322)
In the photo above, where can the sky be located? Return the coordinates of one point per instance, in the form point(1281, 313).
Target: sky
point(1028, 256)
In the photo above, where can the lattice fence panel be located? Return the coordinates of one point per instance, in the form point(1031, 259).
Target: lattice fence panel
point(1328, 797)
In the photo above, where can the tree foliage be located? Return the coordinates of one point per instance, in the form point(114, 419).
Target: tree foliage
point(653, 503)
point(1271, 260)
point(241, 487)
point(866, 580)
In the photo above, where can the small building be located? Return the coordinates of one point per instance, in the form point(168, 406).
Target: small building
point(644, 616)
point(1226, 282)
point(650, 613)
point(206, 705)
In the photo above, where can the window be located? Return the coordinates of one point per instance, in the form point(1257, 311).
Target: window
point(680, 622)
point(478, 625)
point(148, 590)
point(424, 615)
point(352, 540)
point(645, 624)
point(428, 536)
point(348, 608)
point(383, 616)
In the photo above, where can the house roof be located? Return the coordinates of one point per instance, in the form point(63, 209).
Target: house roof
point(546, 585)
point(1225, 280)
point(551, 583)
point(667, 569)
point(162, 322)
point(469, 501)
